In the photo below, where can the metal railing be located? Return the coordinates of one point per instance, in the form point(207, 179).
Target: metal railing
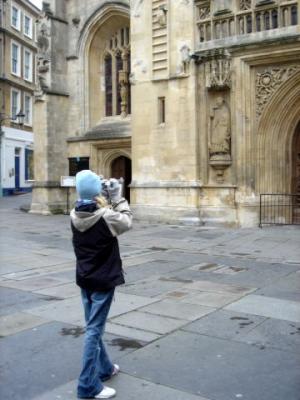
point(279, 209)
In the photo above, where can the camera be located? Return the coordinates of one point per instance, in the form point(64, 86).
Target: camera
point(110, 184)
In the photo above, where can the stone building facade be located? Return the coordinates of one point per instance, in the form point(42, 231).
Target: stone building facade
point(17, 84)
point(202, 97)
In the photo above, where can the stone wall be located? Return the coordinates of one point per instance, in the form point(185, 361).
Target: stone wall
point(215, 104)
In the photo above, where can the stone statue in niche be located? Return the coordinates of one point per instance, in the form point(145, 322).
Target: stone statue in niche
point(42, 39)
point(162, 16)
point(220, 130)
point(43, 56)
point(185, 52)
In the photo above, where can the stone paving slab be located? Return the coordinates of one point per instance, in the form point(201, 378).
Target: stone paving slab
point(63, 291)
point(49, 251)
point(278, 334)
point(288, 288)
point(12, 267)
point(33, 362)
point(67, 275)
point(13, 300)
point(207, 286)
point(232, 272)
point(7, 256)
point(149, 322)
point(68, 311)
point(150, 269)
point(124, 303)
point(268, 307)
point(40, 359)
point(128, 388)
point(150, 287)
point(175, 309)
point(211, 299)
point(185, 258)
point(41, 271)
point(216, 368)
point(41, 261)
point(138, 260)
point(225, 324)
point(32, 284)
point(14, 323)
point(132, 333)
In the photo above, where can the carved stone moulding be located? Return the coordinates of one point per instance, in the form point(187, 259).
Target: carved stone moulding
point(269, 81)
point(217, 64)
point(220, 164)
point(204, 9)
point(245, 5)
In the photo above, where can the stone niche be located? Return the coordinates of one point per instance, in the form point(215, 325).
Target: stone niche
point(219, 136)
point(217, 66)
point(222, 6)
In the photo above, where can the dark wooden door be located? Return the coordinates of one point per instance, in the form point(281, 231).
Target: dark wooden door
point(17, 172)
point(296, 175)
point(121, 168)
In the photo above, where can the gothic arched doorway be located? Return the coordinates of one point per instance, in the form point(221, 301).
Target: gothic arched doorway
point(121, 168)
point(296, 174)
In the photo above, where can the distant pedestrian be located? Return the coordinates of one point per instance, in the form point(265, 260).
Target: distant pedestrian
point(95, 225)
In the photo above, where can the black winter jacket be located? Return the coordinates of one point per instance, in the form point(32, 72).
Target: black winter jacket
point(98, 261)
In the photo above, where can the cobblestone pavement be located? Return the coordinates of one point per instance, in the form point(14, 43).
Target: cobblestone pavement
point(206, 313)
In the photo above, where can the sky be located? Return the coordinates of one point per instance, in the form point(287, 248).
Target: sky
point(37, 3)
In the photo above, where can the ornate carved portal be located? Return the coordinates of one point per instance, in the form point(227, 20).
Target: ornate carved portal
point(296, 175)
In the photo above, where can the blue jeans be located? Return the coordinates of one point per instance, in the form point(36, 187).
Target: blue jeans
point(96, 363)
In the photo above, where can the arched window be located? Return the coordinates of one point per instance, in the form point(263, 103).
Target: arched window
point(258, 22)
point(274, 19)
point(267, 20)
point(249, 23)
point(285, 17)
point(108, 86)
point(117, 73)
point(294, 15)
point(119, 67)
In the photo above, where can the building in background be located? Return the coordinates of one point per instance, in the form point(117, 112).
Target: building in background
point(202, 97)
point(17, 84)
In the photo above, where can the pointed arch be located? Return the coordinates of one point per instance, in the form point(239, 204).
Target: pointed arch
point(275, 136)
point(97, 18)
point(105, 13)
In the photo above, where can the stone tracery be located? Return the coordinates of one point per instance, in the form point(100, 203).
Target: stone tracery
point(247, 17)
point(117, 72)
point(268, 81)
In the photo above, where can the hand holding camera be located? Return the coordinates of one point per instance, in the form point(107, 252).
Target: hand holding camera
point(112, 189)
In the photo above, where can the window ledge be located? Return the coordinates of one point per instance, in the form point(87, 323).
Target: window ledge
point(16, 75)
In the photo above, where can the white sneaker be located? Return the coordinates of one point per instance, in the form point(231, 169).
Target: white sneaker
point(106, 393)
point(116, 370)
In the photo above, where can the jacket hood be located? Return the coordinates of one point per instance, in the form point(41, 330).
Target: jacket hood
point(83, 220)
